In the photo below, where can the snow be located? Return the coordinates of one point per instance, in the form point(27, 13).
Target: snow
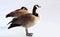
point(47, 26)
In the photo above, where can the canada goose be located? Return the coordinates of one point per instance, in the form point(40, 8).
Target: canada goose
point(25, 20)
point(17, 12)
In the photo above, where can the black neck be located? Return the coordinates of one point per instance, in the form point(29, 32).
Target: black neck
point(34, 11)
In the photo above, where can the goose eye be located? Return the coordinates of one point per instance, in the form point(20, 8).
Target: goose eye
point(38, 6)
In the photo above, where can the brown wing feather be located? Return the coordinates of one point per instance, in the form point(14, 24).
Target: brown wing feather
point(16, 13)
point(24, 20)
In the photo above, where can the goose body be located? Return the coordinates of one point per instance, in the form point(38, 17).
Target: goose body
point(18, 12)
point(26, 20)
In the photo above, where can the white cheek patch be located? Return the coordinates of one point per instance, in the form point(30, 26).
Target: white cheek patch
point(36, 7)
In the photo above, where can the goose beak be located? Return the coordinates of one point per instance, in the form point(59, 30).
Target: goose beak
point(39, 6)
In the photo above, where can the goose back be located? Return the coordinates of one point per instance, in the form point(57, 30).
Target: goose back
point(17, 13)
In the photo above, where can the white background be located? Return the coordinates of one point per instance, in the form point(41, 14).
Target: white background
point(47, 26)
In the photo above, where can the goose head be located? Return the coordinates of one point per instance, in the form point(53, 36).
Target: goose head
point(36, 6)
point(34, 10)
point(24, 8)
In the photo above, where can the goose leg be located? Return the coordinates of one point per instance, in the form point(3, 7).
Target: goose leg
point(28, 34)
